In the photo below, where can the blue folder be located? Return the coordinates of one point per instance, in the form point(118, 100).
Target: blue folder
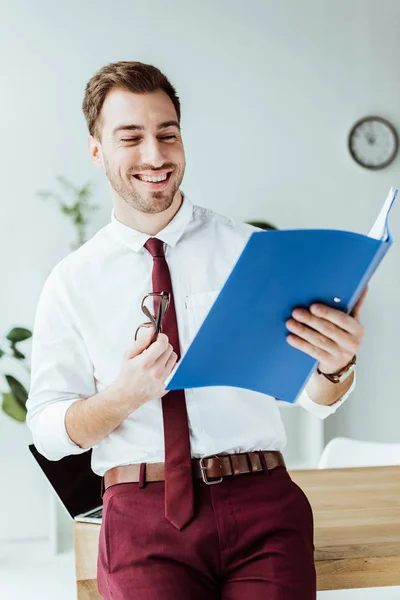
point(242, 341)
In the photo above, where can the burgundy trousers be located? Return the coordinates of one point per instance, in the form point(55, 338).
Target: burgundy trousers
point(251, 539)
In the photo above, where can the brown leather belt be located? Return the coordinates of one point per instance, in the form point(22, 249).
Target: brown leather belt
point(212, 469)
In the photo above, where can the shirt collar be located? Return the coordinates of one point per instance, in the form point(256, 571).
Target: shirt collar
point(170, 234)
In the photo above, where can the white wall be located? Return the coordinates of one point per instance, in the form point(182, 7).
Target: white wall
point(269, 91)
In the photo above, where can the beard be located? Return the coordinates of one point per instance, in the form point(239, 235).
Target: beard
point(150, 202)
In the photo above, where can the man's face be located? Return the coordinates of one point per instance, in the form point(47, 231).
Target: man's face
point(140, 141)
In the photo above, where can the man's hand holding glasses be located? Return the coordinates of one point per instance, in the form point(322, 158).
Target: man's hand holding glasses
point(150, 360)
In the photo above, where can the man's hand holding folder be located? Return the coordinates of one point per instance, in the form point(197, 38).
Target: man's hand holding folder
point(333, 338)
point(280, 276)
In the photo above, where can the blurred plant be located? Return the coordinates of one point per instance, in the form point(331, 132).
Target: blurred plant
point(14, 400)
point(261, 224)
point(77, 206)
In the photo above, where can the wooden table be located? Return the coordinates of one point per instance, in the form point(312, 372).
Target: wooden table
point(357, 530)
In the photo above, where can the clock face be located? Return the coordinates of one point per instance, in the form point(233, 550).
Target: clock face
point(373, 143)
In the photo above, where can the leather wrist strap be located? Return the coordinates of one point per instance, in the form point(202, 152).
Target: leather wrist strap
point(335, 377)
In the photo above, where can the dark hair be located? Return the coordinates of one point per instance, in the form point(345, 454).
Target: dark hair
point(135, 77)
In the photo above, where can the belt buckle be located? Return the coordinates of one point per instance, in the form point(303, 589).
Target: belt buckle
point(204, 470)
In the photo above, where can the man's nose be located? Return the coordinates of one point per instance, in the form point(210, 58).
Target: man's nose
point(151, 152)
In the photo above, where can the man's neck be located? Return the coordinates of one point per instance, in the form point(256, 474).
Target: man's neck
point(150, 223)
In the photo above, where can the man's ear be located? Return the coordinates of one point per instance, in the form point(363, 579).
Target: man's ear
point(95, 153)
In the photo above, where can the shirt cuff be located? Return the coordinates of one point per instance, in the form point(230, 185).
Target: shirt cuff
point(50, 434)
point(320, 410)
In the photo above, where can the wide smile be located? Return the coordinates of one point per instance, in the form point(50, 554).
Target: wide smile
point(154, 182)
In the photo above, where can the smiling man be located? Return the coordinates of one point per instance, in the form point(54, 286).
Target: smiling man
point(144, 186)
point(197, 501)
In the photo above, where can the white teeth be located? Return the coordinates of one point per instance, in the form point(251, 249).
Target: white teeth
point(152, 179)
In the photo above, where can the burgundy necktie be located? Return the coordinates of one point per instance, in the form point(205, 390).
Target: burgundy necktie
point(179, 505)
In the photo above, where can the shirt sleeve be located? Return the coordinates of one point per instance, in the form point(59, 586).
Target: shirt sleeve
point(61, 370)
point(321, 410)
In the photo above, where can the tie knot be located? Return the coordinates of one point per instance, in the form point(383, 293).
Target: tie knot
point(155, 247)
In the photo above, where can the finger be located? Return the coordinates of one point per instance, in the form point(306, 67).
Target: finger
point(143, 341)
point(164, 357)
point(155, 350)
point(344, 340)
point(316, 339)
point(357, 307)
point(338, 318)
point(171, 362)
point(308, 348)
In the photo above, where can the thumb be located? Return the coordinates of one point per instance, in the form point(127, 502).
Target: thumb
point(357, 308)
point(143, 342)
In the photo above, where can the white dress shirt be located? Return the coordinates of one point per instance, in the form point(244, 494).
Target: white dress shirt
point(86, 318)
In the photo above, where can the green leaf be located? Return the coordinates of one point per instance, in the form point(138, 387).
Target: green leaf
point(16, 353)
point(19, 334)
point(17, 390)
point(12, 408)
point(67, 210)
point(2, 353)
point(85, 192)
point(46, 195)
point(67, 185)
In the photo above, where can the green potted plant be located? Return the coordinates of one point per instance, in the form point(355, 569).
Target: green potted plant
point(15, 397)
point(74, 203)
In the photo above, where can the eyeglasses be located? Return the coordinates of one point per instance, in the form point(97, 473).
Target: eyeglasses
point(154, 306)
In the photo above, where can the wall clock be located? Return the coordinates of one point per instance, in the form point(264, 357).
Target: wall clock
point(373, 142)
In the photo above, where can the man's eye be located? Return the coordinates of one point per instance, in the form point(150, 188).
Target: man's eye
point(137, 139)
